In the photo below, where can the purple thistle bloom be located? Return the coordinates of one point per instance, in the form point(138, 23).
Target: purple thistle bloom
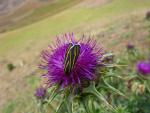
point(143, 67)
point(40, 93)
point(84, 65)
point(130, 46)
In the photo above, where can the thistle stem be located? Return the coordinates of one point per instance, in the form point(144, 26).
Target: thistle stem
point(59, 107)
point(114, 89)
point(91, 89)
point(69, 105)
point(100, 96)
point(41, 110)
point(86, 107)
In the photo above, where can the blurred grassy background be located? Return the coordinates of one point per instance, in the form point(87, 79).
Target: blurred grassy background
point(113, 22)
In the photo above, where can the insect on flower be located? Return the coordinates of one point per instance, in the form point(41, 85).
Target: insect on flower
point(71, 57)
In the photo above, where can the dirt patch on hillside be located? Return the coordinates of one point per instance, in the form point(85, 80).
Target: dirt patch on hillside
point(8, 6)
point(30, 12)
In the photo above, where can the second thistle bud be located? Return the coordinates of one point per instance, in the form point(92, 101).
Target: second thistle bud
point(40, 93)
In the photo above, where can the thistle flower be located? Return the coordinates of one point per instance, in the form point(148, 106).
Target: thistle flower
point(68, 61)
point(143, 67)
point(130, 46)
point(40, 93)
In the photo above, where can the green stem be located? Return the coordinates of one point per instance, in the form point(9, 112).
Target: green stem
point(91, 89)
point(101, 97)
point(69, 104)
point(59, 107)
point(114, 65)
point(114, 89)
point(41, 110)
point(53, 95)
point(147, 85)
point(86, 107)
